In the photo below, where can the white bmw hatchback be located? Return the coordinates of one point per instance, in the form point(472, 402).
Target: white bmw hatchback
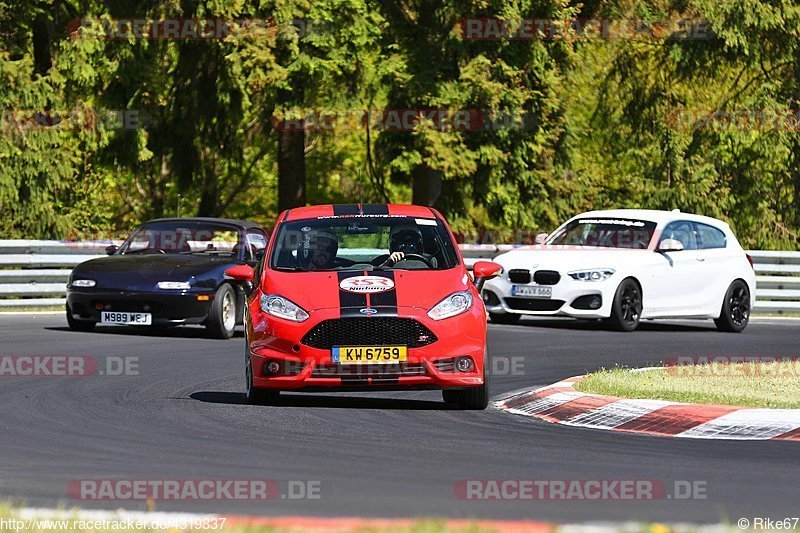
point(626, 265)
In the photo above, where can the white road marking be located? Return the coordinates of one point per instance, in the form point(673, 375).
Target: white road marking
point(615, 414)
point(747, 424)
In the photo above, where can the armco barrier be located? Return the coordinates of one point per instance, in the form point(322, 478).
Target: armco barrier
point(33, 274)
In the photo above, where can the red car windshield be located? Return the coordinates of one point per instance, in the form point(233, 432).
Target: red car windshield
point(363, 243)
point(605, 232)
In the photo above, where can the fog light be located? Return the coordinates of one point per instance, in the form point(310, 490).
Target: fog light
point(272, 368)
point(464, 364)
point(588, 301)
point(490, 298)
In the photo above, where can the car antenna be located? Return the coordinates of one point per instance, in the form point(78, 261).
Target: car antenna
point(360, 202)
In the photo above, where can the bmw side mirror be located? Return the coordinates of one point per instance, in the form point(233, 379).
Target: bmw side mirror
point(240, 273)
point(111, 249)
point(670, 245)
point(540, 238)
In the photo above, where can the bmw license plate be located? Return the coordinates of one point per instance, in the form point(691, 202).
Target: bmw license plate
point(532, 291)
point(355, 355)
point(125, 318)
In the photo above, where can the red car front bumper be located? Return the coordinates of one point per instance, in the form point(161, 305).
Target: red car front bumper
point(272, 339)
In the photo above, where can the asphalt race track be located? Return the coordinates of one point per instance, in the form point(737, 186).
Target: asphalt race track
point(385, 454)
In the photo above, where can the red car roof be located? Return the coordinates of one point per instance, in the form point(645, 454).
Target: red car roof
point(314, 211)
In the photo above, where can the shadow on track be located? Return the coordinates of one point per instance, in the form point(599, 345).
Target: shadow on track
point(599, 325)
point(175, 332)
point(326, 401)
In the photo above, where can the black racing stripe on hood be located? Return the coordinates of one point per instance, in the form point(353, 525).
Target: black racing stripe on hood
point(375, 209)
point(385, 302)
point(350, 303)
point(345, 209)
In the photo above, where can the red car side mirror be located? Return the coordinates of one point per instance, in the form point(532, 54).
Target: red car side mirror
point(486, 269)
point(240, 273)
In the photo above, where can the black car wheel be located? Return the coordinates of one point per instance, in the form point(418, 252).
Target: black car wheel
point(626, 310)
point(735, 313)
point(222, 316)
point(504, 318)
point(79, 325)
point(257, 396)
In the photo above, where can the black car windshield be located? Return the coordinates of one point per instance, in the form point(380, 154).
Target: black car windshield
point(605, 232)
point(184, 237)
point(363, 243)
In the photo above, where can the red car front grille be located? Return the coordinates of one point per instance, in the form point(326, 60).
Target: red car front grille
point(375, 331)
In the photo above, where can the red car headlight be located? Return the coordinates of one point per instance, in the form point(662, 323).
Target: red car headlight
point(278, 306)
point(453, 305)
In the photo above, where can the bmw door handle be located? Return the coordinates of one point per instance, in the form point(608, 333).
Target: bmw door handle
point(700, 258)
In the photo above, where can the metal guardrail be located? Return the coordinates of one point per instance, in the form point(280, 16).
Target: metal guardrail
point(33, 274)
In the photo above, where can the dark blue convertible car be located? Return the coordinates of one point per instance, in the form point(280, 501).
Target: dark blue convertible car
point(168, 272)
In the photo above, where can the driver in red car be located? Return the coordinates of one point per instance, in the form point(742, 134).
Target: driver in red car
point(319, 250)
point(406, 240)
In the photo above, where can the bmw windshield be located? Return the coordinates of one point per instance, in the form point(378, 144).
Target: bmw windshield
point(363, 243)
point(605, 233)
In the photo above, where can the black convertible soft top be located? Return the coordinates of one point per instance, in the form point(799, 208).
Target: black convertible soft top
point(246, 224)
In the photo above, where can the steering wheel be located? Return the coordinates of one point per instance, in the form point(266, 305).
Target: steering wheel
point(378, 261)
point(417, 257)
point(381, 259)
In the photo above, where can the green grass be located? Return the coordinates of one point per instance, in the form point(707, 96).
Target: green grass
point(426, 525)
point(774, 385)
point(75, 521)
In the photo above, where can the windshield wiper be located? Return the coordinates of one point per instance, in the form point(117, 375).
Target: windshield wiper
point(151, 250)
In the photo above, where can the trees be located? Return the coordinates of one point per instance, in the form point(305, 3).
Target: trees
point(506, 133)
point(502, 170)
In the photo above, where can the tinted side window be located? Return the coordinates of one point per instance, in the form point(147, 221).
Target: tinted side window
point(710, 237)
point(683, 231)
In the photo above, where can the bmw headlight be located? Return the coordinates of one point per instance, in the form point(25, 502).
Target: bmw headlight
point(453, 305)
point(278, 306)
point(83, 283)
point(174, 285)
point(599, 274)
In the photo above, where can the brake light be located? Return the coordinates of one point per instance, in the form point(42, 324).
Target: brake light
point(750, 260)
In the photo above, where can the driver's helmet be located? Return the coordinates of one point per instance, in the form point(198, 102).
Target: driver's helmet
point(316, 241)
point(406, 239)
